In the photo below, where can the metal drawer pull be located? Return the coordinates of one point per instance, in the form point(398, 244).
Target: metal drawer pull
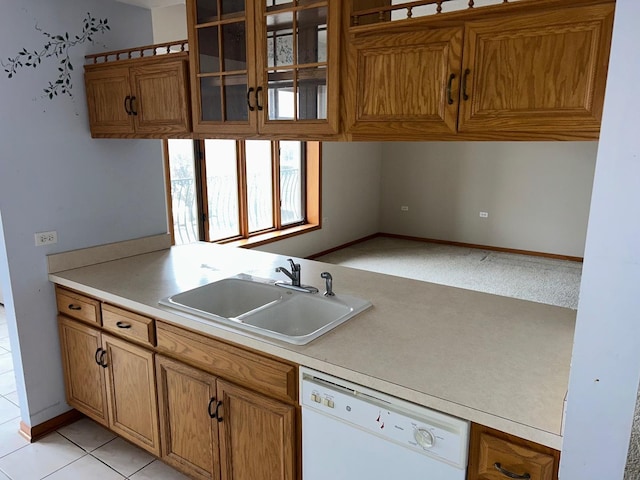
point(127, 107)
point(507, 473)
point(133, 112)
point(449, 85)
point(96, 356)
point(73, 306)
point(123, 325)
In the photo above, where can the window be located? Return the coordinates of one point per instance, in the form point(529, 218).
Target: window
point(249, 192)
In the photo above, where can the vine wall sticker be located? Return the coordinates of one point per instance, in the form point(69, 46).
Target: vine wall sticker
point(57, 46)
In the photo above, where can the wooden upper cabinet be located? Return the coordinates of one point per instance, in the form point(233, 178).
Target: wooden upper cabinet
point(538, 72)
point(523, 71)
point(108, 94)
point(141, 97)
point(406, 82)
point(268, 67)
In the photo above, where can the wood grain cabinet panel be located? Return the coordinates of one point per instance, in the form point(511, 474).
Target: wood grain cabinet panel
point(537, 72)
point(525, 72)
point(78, 306)
point(131, 392)
point(85, 380)
point(406, 82)
point(130, 325)
point(257, 436)
point(141, 97)
point(494, 455)
point(187, 401)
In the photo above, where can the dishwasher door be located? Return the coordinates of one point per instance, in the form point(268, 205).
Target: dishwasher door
point(350, 432)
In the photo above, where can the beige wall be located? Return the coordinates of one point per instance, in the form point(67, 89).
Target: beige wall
point(350, 199)
point(169, 23)
point(537, 194)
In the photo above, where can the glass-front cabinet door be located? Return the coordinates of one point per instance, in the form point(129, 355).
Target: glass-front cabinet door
point(264, 66)
point(222, 47)
point(298, 48)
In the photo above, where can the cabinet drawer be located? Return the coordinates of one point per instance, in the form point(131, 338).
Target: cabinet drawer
point(498, 456)
point(262, 374)
point(128, 324)
point(78, 306)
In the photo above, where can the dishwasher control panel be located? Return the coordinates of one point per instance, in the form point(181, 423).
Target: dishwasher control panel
point(413, 426)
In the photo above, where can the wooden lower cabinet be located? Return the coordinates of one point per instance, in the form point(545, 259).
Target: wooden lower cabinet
point(187, 400)
point(131, 392)
point(495, 455)
point(257, 435)
point(212, 429)
point(84, 377)
point(111, 381)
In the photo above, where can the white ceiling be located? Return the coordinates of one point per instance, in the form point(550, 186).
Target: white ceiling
point(152, 3)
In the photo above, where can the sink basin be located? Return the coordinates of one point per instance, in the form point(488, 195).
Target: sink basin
point(259, 306)
point(227, 298)
point(304, 317)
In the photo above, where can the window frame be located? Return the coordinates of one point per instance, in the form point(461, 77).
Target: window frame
point(311, 165)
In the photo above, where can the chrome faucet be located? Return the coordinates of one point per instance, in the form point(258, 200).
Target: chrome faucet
point(294, 275)
point(329, 279)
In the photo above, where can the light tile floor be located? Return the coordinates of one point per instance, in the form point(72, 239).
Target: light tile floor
point(82, 450)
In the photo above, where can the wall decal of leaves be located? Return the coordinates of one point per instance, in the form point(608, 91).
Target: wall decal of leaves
point(57, 46)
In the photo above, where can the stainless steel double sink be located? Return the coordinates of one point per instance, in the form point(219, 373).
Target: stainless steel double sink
point(260, 306)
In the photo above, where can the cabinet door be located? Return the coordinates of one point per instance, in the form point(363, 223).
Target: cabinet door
point(160, 104)
point(131, 392)
point(108, 95)
point(538, 72)
point(189, 431)
point(222, 53)
point(298, 66)
point(84, 377)
point(404, 84)
point(257, 436)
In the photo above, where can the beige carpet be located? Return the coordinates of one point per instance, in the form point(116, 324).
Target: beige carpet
point(539, 279)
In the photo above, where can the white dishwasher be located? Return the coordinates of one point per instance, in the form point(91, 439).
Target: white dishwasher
point(350, 432)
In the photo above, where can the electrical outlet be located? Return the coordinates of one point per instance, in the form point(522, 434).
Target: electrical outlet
point(46, 238)
point(484, 214)
point(404, 208)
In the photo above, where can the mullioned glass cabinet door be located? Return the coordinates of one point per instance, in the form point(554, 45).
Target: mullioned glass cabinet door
point(223, 43)
point(299, 64)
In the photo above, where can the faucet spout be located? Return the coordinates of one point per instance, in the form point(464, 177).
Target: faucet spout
point(294, 275)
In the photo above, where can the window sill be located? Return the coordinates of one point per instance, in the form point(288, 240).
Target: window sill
point(270, 237)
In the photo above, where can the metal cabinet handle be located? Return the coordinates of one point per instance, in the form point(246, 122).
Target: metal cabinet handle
point(133, 112)
point(102, 361)
point(73, 306)
point(217, 414)
point(258, 92)
point(211, 402)
point(507, 473)
point(449, 85)
point(96, 356)
point(249, 92)
point(465, 96)
point(127, 107)
point(123, 325)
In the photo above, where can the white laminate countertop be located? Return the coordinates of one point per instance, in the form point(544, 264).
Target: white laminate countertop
point(497, 361)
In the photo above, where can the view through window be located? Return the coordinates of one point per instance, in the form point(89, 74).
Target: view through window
point(225, 190)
